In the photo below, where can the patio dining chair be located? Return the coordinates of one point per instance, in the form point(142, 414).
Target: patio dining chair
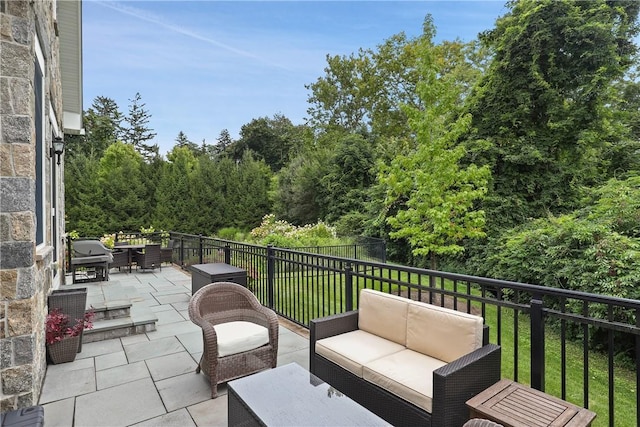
point(240, 336)
point(120, 259)
point(167, 253)
point(150, 258)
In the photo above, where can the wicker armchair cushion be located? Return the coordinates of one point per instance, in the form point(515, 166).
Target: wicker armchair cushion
point(407, 374)
point(383, 315)
point(441, 332)
point(237, 337)
point(354, 349)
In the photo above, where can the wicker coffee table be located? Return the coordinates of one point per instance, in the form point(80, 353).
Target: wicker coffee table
point(289, 395)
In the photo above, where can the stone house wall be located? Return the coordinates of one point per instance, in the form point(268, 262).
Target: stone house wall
point(27, 270)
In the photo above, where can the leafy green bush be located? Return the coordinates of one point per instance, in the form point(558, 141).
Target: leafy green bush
point(595, 249)
point(230, 233)
point(282, 234)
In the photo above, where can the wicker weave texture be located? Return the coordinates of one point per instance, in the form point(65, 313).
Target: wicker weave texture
point(120, 259)
point(63, 351)
point(223, 302)
point(150, 258)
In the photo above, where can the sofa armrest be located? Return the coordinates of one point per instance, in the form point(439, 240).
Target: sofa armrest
point(329, 326)
point(460, 380)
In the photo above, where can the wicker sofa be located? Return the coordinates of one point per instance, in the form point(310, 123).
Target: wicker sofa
point(409, 362)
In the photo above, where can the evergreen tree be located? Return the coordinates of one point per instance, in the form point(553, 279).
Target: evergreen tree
point(137, 132)
point(102, 124)
point(122, 188)
point(183, 142)
point(223, 142)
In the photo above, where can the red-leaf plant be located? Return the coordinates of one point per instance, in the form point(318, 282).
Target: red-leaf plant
point(57, 325)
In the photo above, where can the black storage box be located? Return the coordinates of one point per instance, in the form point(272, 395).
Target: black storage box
point(203, 274)
point(26, 417)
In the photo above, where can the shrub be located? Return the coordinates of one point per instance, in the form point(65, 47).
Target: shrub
point(282, 234)
point(58, 328)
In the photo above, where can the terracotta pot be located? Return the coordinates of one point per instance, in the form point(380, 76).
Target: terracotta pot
point(63, 351)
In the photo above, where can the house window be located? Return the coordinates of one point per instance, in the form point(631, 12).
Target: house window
point(38, 88)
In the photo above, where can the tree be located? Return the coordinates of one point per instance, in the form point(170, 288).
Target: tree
point(542, 109)
point(176, 208)
point(270, 139)
point(183, 142)
point(223, 142)
point(83, 210)
point(102, 124)
point(137, 132)
point(364, 92)
point(297, 198)
point(122, 189)
point(350, 172)
point(429, 196)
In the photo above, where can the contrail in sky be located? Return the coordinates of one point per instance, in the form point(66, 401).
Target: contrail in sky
point(155, 19)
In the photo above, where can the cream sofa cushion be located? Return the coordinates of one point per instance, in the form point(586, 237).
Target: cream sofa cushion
point(236, 337)
point(407, 374)
point(442, 333)
point(353, 349)
point(383, 315)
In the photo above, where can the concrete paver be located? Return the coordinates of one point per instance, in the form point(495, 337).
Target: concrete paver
point(121, 405)
point(171, 365)
point(147, 379)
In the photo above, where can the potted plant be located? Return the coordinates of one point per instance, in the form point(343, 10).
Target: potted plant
point(62, 338)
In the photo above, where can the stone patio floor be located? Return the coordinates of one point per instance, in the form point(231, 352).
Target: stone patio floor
point(148, 379)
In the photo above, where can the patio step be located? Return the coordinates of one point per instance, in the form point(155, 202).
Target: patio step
point(116, 313)
point(139, 321)
point(108, 310)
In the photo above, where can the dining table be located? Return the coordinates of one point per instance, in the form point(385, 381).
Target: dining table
point(130, 249)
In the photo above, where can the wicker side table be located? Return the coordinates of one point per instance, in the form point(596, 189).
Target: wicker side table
point(516, 405)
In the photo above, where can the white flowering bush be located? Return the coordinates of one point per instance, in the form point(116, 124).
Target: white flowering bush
point(108, 240)
point(283, 234)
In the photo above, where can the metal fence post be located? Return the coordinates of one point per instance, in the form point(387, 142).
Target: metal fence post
point(348, 287)
point(271, 274)
point(537, 344)
point(227, 254)
point(69, 253)
point(181, 251)
point(384, 251)
point(200, 257)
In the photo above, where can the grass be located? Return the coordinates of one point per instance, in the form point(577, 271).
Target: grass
point(306, 294)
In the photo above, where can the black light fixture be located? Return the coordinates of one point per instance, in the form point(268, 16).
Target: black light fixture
point(57, 147)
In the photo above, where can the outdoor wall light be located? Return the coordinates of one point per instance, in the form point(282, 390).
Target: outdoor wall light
point(58, 147)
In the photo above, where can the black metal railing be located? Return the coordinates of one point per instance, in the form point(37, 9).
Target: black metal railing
point(553, 339)
point(581, 347)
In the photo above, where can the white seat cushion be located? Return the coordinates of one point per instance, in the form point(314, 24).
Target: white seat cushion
point(354, 349)
point(236, 337)
point(407, 374)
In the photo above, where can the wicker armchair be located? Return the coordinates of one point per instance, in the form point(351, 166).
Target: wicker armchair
point(150, 258)
point(224, 302)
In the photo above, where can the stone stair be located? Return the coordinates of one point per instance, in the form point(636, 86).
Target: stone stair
point(116, 313)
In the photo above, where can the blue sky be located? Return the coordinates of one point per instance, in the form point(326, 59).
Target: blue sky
point(204, 66)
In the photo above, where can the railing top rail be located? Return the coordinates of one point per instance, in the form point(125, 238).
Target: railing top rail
point(537, 290)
